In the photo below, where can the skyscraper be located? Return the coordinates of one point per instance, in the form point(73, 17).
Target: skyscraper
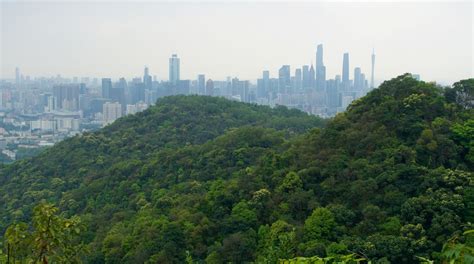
point(284, 78)
point(306, 82)
point(319, 56)
point(123, 91)
point(174, 69)
point(298, 81)
point(363, 82)
point(67, 96)
point(210, 87)
point(117, 93)
point(111, 112)
point(312, 81)
point(265, 84)
point(201, 82)
point(183, 87)
point(320, 69)
point(17, 76)
point(345, 70)
point(146, 78)
point(333, 94)
point(240, 89)
point(357, 79)
point(372, 72)
point(106, 87)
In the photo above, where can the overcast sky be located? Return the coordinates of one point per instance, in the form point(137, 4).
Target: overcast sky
point(115, 39)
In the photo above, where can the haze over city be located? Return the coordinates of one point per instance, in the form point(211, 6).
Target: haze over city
point(113, 39)
point(158, 131)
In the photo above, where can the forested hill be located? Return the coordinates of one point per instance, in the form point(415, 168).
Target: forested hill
point(216, 181)
point(127, 145)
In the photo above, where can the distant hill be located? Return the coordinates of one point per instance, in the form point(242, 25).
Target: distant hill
point(220, 181)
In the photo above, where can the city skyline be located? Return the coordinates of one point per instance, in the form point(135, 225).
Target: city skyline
point(315, 77)
point(233, 49)
point(173, 73)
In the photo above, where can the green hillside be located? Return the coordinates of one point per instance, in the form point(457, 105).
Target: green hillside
point(216, 181)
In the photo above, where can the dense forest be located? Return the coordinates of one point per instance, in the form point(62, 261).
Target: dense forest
point(207, 180)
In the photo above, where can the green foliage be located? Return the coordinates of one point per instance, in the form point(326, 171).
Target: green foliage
point(456, 252)
point(276, 242)
point(204, 179)
point(345, 259)
point(320, 225)
point(51, 238)
point(464, 133)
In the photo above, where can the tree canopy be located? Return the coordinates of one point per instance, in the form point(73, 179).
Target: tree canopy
point(213, 181)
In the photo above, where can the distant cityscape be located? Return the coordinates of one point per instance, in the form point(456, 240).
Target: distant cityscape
point(42, 111)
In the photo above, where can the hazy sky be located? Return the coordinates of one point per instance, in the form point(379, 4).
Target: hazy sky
point(115, 39)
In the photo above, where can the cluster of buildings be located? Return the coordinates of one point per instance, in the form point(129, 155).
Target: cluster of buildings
point(310, 90)
point(44, 110)
point(307, 88)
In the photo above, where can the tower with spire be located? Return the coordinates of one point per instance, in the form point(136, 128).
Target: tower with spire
point(372, 73)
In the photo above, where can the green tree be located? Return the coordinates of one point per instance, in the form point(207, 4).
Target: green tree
point(319, 225)
point(51, 238)
point(277, 242)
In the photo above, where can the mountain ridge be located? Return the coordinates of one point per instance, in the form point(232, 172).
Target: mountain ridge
point(391, 179)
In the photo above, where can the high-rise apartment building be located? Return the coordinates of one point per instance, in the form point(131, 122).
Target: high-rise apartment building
point(210, 87)
point(67, 96)
point(111, 112)
point(174, 69)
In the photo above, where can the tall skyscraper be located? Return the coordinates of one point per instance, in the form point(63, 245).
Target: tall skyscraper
point(312, 80)
point(106, 87)
point(298, 85)
point(122, 91)
point(284, 78)
point(332, 94)
point(357, 79)
point(363, 82)
point(345, 69)
point(320, 69)
point(319, 56)
point(210, 87)
point(265, 84)
point(147, 78)
point(136, 91)
point(306, 82)
point(240, 89)
point(17, 76)
point(117, 93)
point(174, 69)
point(372, 71)
point(201, 83)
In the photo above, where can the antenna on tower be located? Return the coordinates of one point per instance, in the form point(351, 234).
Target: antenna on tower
point(373, 66)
